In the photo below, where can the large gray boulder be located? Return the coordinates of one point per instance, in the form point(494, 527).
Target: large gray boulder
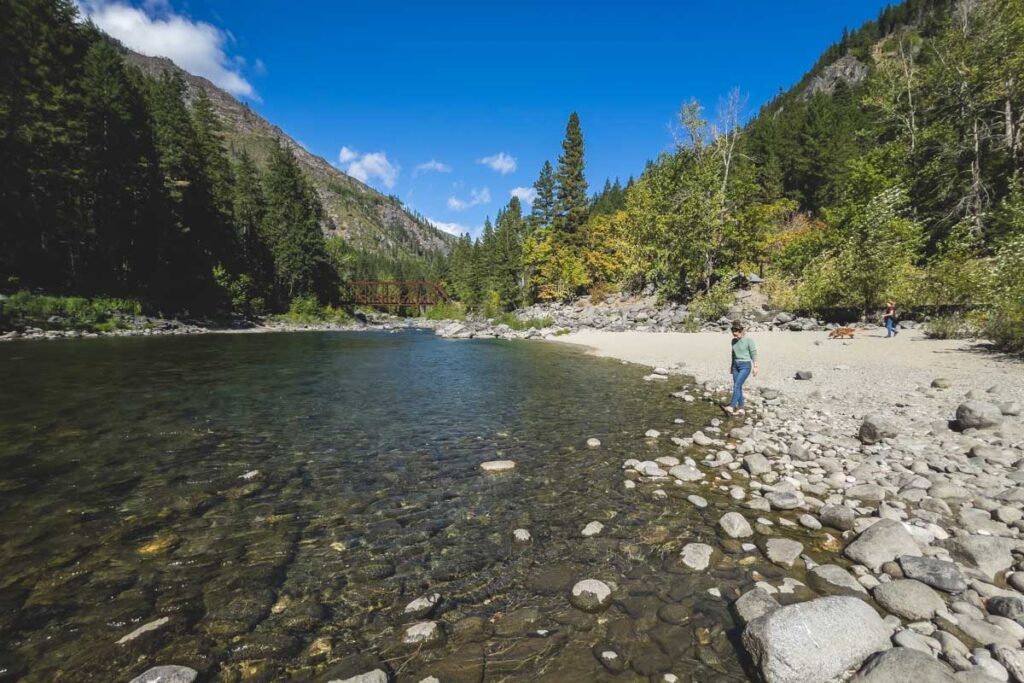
point(831, 579)
point(909, 599)
point(882, 542)
point(988, 554)
point(941, 574)
point(816, 641)
point(876, 427)
point(903, 665)
point(978, 415)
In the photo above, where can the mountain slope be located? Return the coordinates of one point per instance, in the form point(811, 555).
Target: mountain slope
point(368, 220)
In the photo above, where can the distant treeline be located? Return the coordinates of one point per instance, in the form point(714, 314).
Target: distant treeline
point(113, 183)
point(896, 174)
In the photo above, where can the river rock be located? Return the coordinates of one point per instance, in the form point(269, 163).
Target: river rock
point(876, 427)
point(945, 576)
point(978, 415)
point(735, 525)
point(421, 607)
point(171, 674)
point(145, 628)
point(702, 439)
point(592, 529)
point(941, 383)
point(831, 579)
point(497, 465)
point(686, 473)
point(988, 554)
point(521, 535)
point(1012, 661)
point(423, 634)
point(697, 556)
point(804, 375)
point(590, 595)
point(815, 641)
point(837, 516)
point(755, 603)
point(909, 599)
point(903, 665)
point(883, 541)
point(593, 443)
point(784, 500)
point(783, 551)
point(756, 464)
point(1007, 606)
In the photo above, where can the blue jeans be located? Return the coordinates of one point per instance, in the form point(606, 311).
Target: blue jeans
point(740, 372)
point(890, 327)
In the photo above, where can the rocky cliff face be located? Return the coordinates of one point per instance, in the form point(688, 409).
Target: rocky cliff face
point(847, 69)
point(369, 220)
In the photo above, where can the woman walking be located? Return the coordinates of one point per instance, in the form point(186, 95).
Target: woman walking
point(890, 319)
point(744, 364)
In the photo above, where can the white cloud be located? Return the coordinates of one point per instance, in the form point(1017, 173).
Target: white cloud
point(155, 30)
point(363, 167)
point(525, 194)
point(433, 165)
point(475, 197)
point(500, 162)
point(346, 155)
point(451, 228)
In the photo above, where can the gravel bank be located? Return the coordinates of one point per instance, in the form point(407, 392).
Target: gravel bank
point(893, 472)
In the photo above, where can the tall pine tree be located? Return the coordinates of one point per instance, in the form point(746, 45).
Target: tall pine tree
point(571, 202)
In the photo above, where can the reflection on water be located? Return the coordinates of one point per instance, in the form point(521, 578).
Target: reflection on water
point(281, 499)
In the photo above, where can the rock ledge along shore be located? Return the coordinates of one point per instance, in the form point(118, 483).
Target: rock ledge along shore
point(890, 491)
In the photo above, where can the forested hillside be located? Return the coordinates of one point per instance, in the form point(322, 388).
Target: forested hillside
point(893, 169)
point(155, 186)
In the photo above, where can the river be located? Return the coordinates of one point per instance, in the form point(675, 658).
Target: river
point(281, 498)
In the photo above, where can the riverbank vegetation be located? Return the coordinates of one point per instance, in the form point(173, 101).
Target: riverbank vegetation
point(893, 170)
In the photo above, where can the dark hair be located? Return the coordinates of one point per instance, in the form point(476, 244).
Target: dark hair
point(737, 326)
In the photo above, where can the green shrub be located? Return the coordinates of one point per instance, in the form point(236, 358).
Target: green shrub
point(75, 312)
point(492, 305)
point(714, 303)
point(446, 311)
point(952, 326)
point(304, 309)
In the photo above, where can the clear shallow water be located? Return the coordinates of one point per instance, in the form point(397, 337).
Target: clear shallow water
point(122, 501)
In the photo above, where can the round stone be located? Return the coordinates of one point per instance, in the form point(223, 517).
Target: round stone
point(592, 529)
point(423, 634)
point(593, 443)
point(497, 466)
point(697, 556)
point(591, 595)
point(521, 535)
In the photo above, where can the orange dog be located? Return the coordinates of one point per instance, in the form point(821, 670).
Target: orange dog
point(841, 333)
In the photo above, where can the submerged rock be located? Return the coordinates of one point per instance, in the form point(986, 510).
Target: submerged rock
point(497, 465)
point(592, 529)
point(735, 525)
point(591, 595)
point(697, 556)
point(423, 634)
point(170, 674)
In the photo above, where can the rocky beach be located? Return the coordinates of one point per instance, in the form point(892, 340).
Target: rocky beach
point(884, 476)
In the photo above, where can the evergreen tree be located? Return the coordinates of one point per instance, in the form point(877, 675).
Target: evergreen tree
point(542, 211)
point(249, 210)
point(123, 195)
point(292, 226)
point(571, 196)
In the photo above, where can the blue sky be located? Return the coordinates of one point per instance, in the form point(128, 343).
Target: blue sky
point(451, 106)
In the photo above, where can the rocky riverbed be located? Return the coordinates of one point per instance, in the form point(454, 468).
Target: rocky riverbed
point(895, 509)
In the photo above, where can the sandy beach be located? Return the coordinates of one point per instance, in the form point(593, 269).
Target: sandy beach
point(868, 372)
